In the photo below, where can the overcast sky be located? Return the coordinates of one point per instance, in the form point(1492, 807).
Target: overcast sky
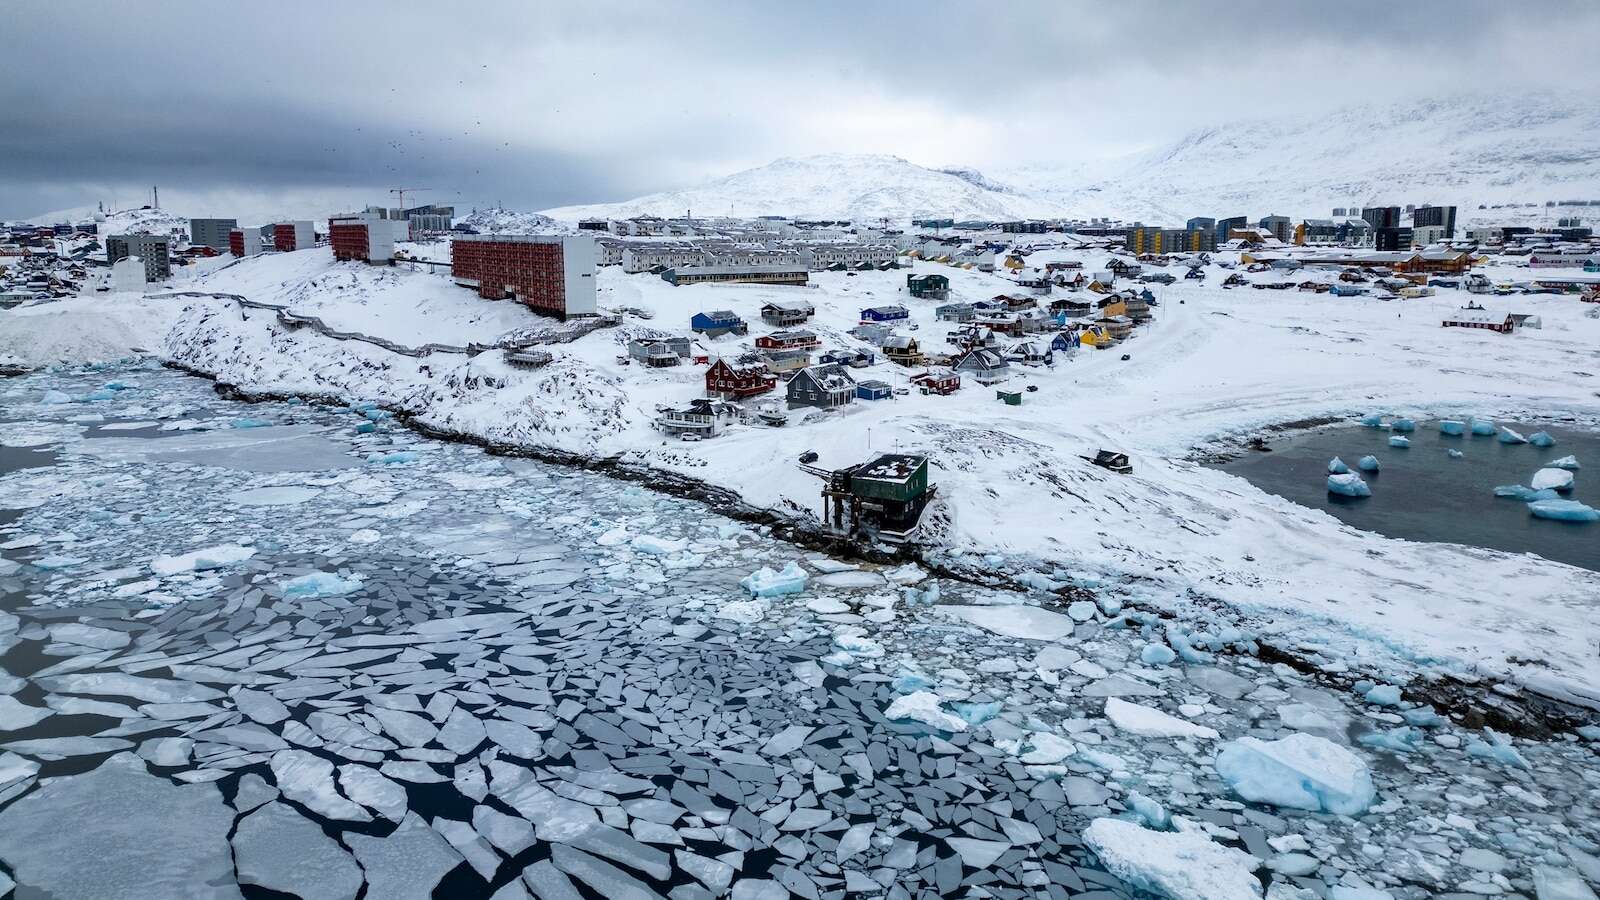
point(536, 104)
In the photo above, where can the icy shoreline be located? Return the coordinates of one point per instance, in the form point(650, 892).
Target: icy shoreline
point(1552, 708)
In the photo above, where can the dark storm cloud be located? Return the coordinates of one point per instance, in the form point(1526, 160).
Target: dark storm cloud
point(538, 104)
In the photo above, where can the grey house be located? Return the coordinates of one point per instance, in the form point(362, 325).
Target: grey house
point(823, 387)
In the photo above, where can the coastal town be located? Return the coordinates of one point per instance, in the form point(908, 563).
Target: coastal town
point(728, 452)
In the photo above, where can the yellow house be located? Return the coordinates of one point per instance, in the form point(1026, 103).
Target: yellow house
point(1098, 288)
point(1014, 263)
point(1117, 307)
point(1096, 337)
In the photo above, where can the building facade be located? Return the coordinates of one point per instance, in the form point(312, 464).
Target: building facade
point(153, 249)
point(776, 274)
point(244, 241)
point(1435, 216)
point(550, 274)
point(211, 233)
point(290, 236)
point(367, 237)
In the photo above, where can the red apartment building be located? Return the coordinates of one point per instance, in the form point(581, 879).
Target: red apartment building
point(550, 274)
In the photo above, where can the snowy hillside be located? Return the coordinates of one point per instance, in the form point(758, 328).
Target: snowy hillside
point(1464, 151)
point(144, 220)
point(506, 221)
point(860, 186)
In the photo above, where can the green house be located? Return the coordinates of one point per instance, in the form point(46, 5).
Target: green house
point(895, 477)
point(1011, 398)
point(933, 287)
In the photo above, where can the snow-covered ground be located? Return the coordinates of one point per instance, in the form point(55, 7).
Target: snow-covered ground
point(1214, 366)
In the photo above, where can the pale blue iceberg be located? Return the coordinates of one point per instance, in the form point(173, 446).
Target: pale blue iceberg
point(1400, 739)
point(1454, 453)
point(1565, 462)
point(1483, 427)
point(1564, 511)
point(1553, 479)
point(1372, 420)
point(1523, 493)
point(1541, 439)
point(1348, 485)
point(1497, 748)
point(1336, 466)
point(1157, 654)
point(395, 458)
point(1384, 695)
point(764, 582)
point(1301, 771)
point(1403, 425)
point(319, 584)
point(1367, 463)
point(1453, 427)
point(1399, 442)
point(1508, 436)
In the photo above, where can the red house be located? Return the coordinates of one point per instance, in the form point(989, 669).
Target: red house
point(739, 380)
point(937, 381)
point(789, 339)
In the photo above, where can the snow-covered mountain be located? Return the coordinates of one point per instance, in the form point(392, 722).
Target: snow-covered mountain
point(1522, 149)
point(1465, 151)
point(858, 186)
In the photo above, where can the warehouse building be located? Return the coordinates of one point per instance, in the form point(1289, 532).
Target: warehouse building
point(211, 233)
point(550, 274)
point(151, 248)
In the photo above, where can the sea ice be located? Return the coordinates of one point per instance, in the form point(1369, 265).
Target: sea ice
point(279, 849)
point(1016, 621)
point(1564, 511)
point(1453, 453)
point(1551, 883)
point(1541, 439)
point(764, 582)
point(1483, 427)
point(1452, 427)
point(120, 832)
point(1399, 441)
point(1372, 420)
point(407, 864)
point(1181, 865)
point(289, 495)
point(1552, 479)
point(319, 584)
point(1336, 466)
point(308, 780)
point(1349, 485)
point(1403, 426)
point(1301, 771)
point(200, 560)
point(1367, 463)
point(1508, 436)
point(658, 546)
point(1565, 462)
point(1149, 722)
point(923, 706)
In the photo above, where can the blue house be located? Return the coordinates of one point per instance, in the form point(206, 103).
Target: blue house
point(717, 323)
point(1065, 342)
point(873, 390)
point(1346, 290)
point(885, 314)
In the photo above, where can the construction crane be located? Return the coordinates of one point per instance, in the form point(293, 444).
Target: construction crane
point(402, 192)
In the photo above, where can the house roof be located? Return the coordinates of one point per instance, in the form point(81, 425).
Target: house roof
point(827, 377)
point(893, 467)
point(982, 360)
